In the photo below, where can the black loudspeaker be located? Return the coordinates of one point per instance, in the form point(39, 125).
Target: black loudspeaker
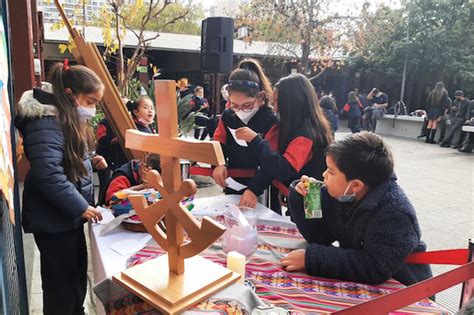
point(217, 44)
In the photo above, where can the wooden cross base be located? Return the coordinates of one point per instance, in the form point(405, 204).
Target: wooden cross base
point(171, 293)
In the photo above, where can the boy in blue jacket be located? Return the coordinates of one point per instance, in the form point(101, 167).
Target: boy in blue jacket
point(365, 210)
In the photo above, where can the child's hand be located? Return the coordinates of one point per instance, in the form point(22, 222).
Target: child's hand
point(92, 215)
point(220, 174)
point(294, 261)
point(302, 186)
point(248, 199)
point(245, 133)
point(98, 162)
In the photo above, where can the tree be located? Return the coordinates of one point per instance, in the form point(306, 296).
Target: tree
point(137, 17)
point(121, 15)
point(189, 24)
point(435, 36)
point(304, 30)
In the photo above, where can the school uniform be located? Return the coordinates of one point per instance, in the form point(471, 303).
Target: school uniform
point(354, 112)
point(53, 205)
point(301, 157)
point(243, 157)
point(124, 177)
point(110, 149)
point(375, 236)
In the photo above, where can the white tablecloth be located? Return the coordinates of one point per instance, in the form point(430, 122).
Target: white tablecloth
point(107, 262)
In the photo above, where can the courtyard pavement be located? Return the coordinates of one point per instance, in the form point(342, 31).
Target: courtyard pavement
point(439, 182)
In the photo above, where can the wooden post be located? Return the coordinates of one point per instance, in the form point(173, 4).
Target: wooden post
point(22, 46)
point(165, 100)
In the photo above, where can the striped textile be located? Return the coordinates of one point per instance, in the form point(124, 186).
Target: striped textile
point(297, 292)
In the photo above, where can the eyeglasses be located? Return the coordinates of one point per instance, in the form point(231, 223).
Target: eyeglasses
point(246, 107)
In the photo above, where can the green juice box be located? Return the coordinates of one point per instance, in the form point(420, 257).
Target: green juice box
point(312, 200)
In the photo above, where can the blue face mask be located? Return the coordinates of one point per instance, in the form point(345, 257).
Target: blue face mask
point(347, 198)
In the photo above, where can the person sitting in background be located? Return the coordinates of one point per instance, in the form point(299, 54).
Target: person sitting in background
point(468, 143)
point(379, 105)
point(200, 106)
point(354, 109)
point(367, 112)
point(366, 211)
point(329, 107)
point(444, 120)
point(130, 174)
point(460, 114)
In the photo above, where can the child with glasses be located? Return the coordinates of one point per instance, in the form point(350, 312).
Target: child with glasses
point(249, 94)
point(303, 134)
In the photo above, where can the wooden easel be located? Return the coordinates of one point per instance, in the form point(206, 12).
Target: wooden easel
point(163, 281)
point(117, 115)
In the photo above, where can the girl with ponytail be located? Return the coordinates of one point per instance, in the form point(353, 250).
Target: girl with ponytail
point(249, 94)
point(108, 145)
point(58, 190)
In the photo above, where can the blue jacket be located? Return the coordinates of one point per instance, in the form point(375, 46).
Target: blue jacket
point(375, 236)
point(51, 203)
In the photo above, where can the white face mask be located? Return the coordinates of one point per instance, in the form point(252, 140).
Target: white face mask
point(86, 113)
point(246, 116)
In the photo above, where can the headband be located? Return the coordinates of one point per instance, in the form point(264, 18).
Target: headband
point(245, 84)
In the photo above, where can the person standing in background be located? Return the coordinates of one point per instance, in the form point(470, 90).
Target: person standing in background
point(354, 109)
point(436, 104)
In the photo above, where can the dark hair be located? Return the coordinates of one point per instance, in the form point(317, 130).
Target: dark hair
point(78, 136)
point(251, 70)
point(459, 93)
point(133, 105)
point(327, 102)
point(363, 156)
point(198, 88)
point(352, 97)
point(299, 108)
point(376, 90)
point(436, 95)
point(154, 161)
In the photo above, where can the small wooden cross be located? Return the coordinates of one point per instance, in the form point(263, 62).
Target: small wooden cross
point(171, 148)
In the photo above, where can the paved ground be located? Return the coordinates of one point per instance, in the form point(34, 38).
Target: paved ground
point(439, 182)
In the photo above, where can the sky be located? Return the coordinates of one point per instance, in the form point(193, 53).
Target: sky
point(340, 5)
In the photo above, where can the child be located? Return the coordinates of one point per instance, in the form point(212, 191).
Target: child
point(128, 175)
point(249, 94)
point(143, 113)
point(108, 145)
point(354, 110)
point(330, 111)
point(365, 210)
point(303, 134)
point(58, 191)
point(200, 105)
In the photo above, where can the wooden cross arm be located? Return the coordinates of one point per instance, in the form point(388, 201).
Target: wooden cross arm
point(208, 152)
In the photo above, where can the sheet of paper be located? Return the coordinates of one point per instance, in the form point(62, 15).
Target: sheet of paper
point(242, 143)
point(107, 215)
point(127, 247)
point(233, 184)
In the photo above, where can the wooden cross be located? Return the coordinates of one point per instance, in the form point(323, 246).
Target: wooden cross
point(171, 148)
